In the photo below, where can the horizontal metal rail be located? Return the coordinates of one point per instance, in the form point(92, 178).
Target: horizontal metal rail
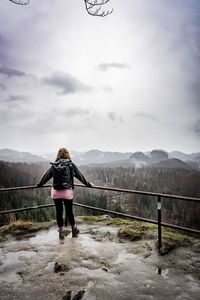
point(81, 205)
point(106, 211)
point(109, 189)
point(19, 188)
point(143, 193)
point(116, 213)
point(25, 208)
point(158, 195)
point(180, 227)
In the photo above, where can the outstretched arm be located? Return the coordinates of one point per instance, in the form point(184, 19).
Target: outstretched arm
point(80, 176)
point(47, 176)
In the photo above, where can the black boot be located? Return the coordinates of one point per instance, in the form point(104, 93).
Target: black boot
point(75, 232)
point(61, 235)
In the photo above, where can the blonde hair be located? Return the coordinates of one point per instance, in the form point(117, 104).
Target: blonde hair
point(63, 153)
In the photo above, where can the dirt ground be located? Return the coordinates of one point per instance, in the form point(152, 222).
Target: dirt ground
point(97, 265)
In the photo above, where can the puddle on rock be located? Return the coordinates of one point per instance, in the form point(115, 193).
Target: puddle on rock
point(13, 278)
point(11, 262)
point(89, 244)
point(93, 273)
point(50, 266)
point(184, 296)
point(162, 272)
point(194, 286)
point(86, 261)
point(14, 259)
point(49, 236)
point(125, 256)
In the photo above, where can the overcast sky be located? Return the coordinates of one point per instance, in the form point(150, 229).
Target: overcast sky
point(126, 82)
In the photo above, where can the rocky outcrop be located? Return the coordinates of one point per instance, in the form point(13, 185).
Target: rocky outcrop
point(104, 262)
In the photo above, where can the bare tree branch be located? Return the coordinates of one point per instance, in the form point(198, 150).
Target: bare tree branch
point(96, 2)
point(24, 2)
point(93, 7)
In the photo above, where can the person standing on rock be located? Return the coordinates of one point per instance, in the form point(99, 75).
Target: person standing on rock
point(63, 171)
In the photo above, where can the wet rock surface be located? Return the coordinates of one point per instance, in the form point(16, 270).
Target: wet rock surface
point(97, 265)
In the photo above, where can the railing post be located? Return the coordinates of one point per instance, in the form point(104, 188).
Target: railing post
point(159, 224)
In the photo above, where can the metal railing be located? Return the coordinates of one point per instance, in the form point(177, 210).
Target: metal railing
point(158, 195)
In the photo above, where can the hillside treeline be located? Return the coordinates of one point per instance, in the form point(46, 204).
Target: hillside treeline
point(164, 180)
point(173, 181)
point(23, 174)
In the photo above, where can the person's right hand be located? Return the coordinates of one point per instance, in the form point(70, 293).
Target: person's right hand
point(92, 185)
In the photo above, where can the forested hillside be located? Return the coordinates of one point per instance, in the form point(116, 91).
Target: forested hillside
point(23, 174)
point(165, 180)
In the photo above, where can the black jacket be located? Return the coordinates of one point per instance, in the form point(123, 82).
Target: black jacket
point(74, 173)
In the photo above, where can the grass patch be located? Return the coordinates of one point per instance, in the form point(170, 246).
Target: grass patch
point(138, 226)
point(118, 221)
point(172, 239)
point(135, 224)
point(131, 233)
point(94, 218)
point(135, 231)
point(22, 227)
point(18, 227)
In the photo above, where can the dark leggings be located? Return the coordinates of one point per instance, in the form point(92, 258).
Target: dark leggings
point(68, 211)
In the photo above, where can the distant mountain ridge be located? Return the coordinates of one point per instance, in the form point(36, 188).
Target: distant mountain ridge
point(160, 158)
point(97, 156)
point(17, 156)
point(112, 159)
point(184, 157)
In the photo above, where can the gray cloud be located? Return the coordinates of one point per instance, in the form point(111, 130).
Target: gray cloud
point(144, 115)
point(106, 66)
point(75, 111)
point(11, 72)
point(12, 116)
point(195, 88)
point(16, 98)
point(114, 117)
point(196, 128)
point(2, 87)
point(3, 49)
point(107, 89)
point(66, 83)
point(59, 120)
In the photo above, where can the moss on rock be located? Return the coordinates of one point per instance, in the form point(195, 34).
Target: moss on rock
point(132, 232)
point(118, 221)
point(22, 227)
point(172, 239)
point(94, 218)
